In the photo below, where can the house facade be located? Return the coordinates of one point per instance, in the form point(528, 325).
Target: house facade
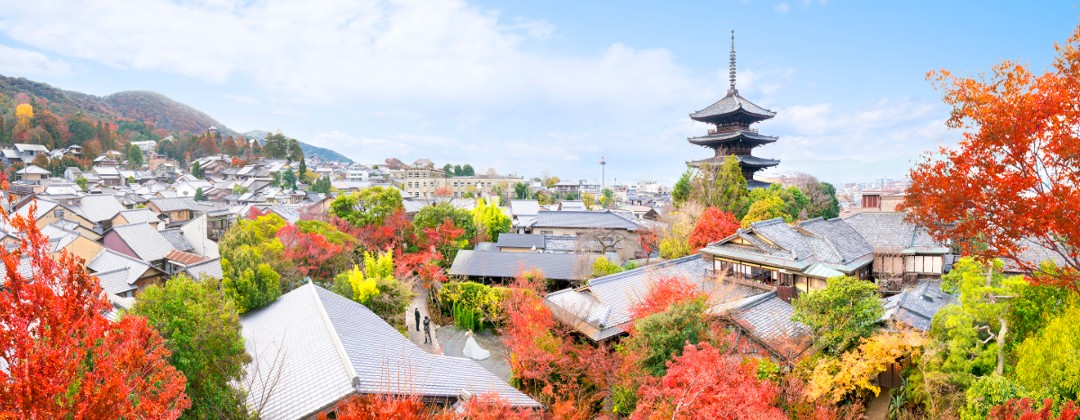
point(802, 256)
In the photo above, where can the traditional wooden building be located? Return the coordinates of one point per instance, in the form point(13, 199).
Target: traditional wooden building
point(777, 254)
point(732, 116)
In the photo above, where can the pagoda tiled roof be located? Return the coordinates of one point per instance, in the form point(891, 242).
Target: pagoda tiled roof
point(731, 105)
point(744, 160)
point(732, 136)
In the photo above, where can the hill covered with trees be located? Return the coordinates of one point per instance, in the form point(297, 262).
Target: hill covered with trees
point(61, 117)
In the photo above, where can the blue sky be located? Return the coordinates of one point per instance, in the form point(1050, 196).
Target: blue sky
point(528, 87)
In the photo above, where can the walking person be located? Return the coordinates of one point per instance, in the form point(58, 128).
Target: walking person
point(427, 330)
point(416, 312)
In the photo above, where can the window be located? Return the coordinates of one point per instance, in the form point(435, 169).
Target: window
point(58, 213)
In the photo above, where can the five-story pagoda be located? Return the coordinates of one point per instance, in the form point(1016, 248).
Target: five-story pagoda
point(732, 117)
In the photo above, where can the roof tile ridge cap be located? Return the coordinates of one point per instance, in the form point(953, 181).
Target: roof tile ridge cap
point(623, 274)
point(832, 246)
point(349, 369)
point(753, 301)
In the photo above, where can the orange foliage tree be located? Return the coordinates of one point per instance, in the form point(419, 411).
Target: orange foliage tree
point(663, 294)
point(547, 361)
point(706, 383)
point(410, 407)
point(62, 357)
point(1013, 180)
point(714, 225)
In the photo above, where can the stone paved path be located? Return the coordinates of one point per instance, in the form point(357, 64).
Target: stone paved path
point(420, 301)
point(878, 409)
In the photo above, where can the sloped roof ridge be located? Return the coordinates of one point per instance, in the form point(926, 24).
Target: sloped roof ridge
point(769, 222)
point(624, 274)
point(755, 300)
point(825, 239)
point(119, 255)
point(343, 356)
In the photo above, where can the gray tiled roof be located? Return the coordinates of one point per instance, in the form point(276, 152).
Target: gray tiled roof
point(174, 204)
point(814, 247)
point(329, 347)
point(601, 309)
point(289, 341)
point(889, 232)
point(147, 243)
point(750, 135)
point(291, 213)
point(108, 260)
point(744, 160)
point(97, 208)
point(27, 147)
point(729, 104)
point(363, 335)
point(115, 281)
point(510, 264)
point(768, 318)
point(844, 239)
point(784, 236)
point(514, 240)
point(583, 220)
point(209, 268)
point(1035, 253)
point(576, 205)
point(34, 170)
point(524, 207)
point(177, 240)
point(917, 306)
point(140, 216)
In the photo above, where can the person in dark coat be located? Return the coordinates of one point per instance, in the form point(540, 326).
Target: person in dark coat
point(427, 330)
point(416, 312)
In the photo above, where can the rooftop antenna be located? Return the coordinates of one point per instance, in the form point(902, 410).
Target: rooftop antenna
point(731, 74)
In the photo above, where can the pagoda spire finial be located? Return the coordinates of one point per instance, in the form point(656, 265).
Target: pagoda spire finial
point(732, 71)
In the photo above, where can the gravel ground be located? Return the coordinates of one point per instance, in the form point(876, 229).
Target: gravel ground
point(453, 343)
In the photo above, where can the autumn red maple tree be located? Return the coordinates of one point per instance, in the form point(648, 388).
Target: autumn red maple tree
point(1026, 409)
point(714, 225)
point(309, 252)
point(62, 358)
point(548, 362)
point(662, 294)
point(1011, 185)
point(411, 407)
point(705, 383)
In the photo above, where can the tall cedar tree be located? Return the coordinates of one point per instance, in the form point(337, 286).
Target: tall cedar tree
point(63, 358)
point(721, 186)
point(202, 330)
point(1015, 175)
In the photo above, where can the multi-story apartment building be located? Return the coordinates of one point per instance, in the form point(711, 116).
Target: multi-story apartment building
point(425, 187)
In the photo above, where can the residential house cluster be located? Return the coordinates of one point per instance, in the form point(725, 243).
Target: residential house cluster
point(311, 349)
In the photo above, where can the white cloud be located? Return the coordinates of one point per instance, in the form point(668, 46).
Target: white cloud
point(247, 100)
point(20, 62)
point(782, 7)
point(852, 143)
point(338, 51)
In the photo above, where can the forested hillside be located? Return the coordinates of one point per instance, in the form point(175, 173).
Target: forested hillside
point(33, 112)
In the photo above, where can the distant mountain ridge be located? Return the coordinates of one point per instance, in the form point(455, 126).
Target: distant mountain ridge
point(160, 110)
point(309, 150)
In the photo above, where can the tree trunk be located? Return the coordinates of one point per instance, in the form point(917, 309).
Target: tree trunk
point(1001, 347)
